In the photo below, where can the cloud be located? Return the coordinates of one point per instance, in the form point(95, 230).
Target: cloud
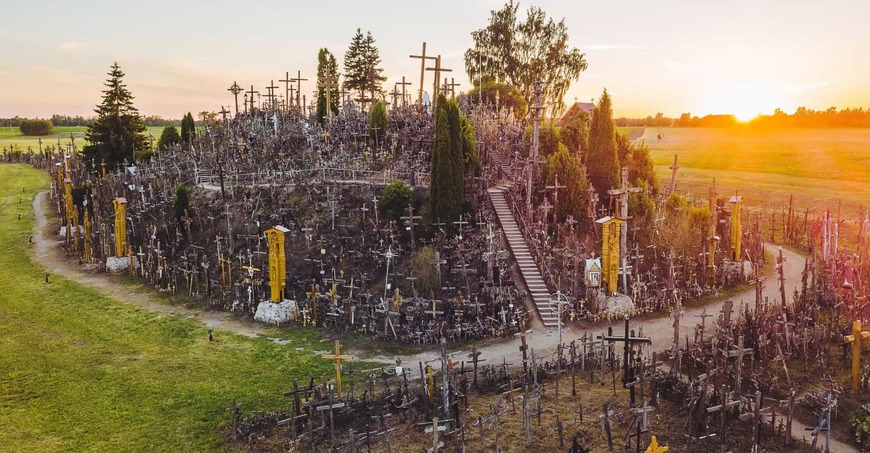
point(611, 46)
point(70, 45)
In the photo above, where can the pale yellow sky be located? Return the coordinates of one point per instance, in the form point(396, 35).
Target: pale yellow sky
point(743, 57)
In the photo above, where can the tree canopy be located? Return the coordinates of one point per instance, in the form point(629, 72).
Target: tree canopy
point(188, 128)
point(453, 155)
point(521, 52)
point(378, 121)
point(118, 131)
point(566, 166)
point(361, 65)
point(501, 94)
point(601, 159)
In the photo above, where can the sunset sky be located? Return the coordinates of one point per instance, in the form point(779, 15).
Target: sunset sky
point(743, 56)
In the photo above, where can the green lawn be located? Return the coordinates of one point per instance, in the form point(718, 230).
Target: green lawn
point(12, 136)
point(80, 372)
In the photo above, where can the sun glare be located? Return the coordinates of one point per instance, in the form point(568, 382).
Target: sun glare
point(743, 101)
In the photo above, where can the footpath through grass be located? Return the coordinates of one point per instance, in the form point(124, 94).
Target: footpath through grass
point(80, 372)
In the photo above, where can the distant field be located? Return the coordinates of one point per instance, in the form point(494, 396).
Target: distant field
point(12, 136)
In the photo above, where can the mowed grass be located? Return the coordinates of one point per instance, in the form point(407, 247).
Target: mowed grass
point(816, 165)
point(12, 136)
point(80, 372)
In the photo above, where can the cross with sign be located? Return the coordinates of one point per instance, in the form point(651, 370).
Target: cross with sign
point(338, 358)
point(628, 341)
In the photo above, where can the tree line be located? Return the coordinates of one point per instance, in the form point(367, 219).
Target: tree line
point(78, 120)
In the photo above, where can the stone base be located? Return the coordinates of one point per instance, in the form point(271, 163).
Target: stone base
point(277, 313)
point(62, 232)
point(116, 265)
point(736, 271)
point(618, 303)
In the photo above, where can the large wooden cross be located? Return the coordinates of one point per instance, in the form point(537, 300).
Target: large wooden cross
point(252, 93)
point(236, 89)
point(623, 193)
point(410, 222)
point(313, 294)
point(270, 94)
point(628, 341)
point(438, 70)
point(423, 59)
point(450, 86)
point(338, 358)
point(328, 83)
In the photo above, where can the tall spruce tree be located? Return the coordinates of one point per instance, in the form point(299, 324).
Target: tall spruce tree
point(188, 128)
point(601, 159)
point(326, 67)
point(119, 131)
point(453, 155)
point(361, 61)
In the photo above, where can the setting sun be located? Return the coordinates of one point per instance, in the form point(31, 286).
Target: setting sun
point(744, 101)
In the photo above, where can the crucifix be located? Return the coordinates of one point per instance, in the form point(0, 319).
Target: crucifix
point(628, 341)
point(438, 70)
point(423, 59)
point(236, 89)
point(623, 193)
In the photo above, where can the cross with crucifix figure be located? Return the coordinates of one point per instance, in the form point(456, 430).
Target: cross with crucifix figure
point(438, 70)
point(628, 341)
point(423, 59)
point(394, 95)
point(704, 315)
point(236, 89)
point(475, 359)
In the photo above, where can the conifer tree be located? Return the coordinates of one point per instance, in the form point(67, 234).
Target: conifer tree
point(361, 65)
point(566, 166)
point(326, 67)
point(188, 128)
point(119, 131)
point(453, 155)
point(602, 160)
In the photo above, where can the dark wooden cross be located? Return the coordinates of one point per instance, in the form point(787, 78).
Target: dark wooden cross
point(270, 90)
point(524, 347)
point(451, 86)
point(410, 221)
point(704, 315)
point(403, 83)
point(252, 92)
point(438, 70)
point(475, 359)
point(628, 341)
point(331, 406)
point(236, 89)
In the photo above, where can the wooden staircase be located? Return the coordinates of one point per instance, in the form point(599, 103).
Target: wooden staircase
point(531, 274)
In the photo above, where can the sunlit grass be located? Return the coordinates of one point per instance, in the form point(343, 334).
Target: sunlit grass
point(79, 371)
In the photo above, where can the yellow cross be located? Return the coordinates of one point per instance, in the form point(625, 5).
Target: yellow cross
point(855, 341)
point(654, 447)
point(397, 300)
point(332, 294)
point(313, 294)
point(338, 358)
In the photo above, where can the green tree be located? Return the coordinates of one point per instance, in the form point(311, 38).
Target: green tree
point(326, 67)
point(35, 127)
point(469, 147)
point(601, 159)
point(574, 129)
point(378, 121)
point(395, 200)
point(181, 202)
point(118, 131)
point(523, 52)
point(506, 96)
point(188, 128)
point(641, 168)
point(566, 166)
point(549, 139)
point(361, 61)
point(447, 173)
point(168, 137)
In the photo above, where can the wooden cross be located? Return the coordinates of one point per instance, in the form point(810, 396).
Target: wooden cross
point(450, 86)
point(704, 315)
point(395, 94)
point(403, 83)
point(722, 408)
point(313, 294)
point(270, 90)
point(331, 406)
point(436, 426)
point(628, 341)
point(855, 340)
point(338, 358)
point(623, 193)
point(739, 354)
point(475, 359)
point(328, 83)
point(674, 169)
point(438, 70)
point(524, 347)
point(423, 59)
point(410, 222)
point(433, 311)
point(236, 89)
point(252, 93)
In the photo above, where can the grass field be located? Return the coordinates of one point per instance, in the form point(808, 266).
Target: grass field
point(12, 136)
point(821, 168)
point(80, 372)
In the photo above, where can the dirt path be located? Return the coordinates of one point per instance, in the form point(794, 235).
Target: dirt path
point(47, 253)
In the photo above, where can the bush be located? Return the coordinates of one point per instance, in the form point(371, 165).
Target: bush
point(861, 425)
point(378, 121)
point(35, 127)
point(181, 202)
point(169, 137)
point(395, 200)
